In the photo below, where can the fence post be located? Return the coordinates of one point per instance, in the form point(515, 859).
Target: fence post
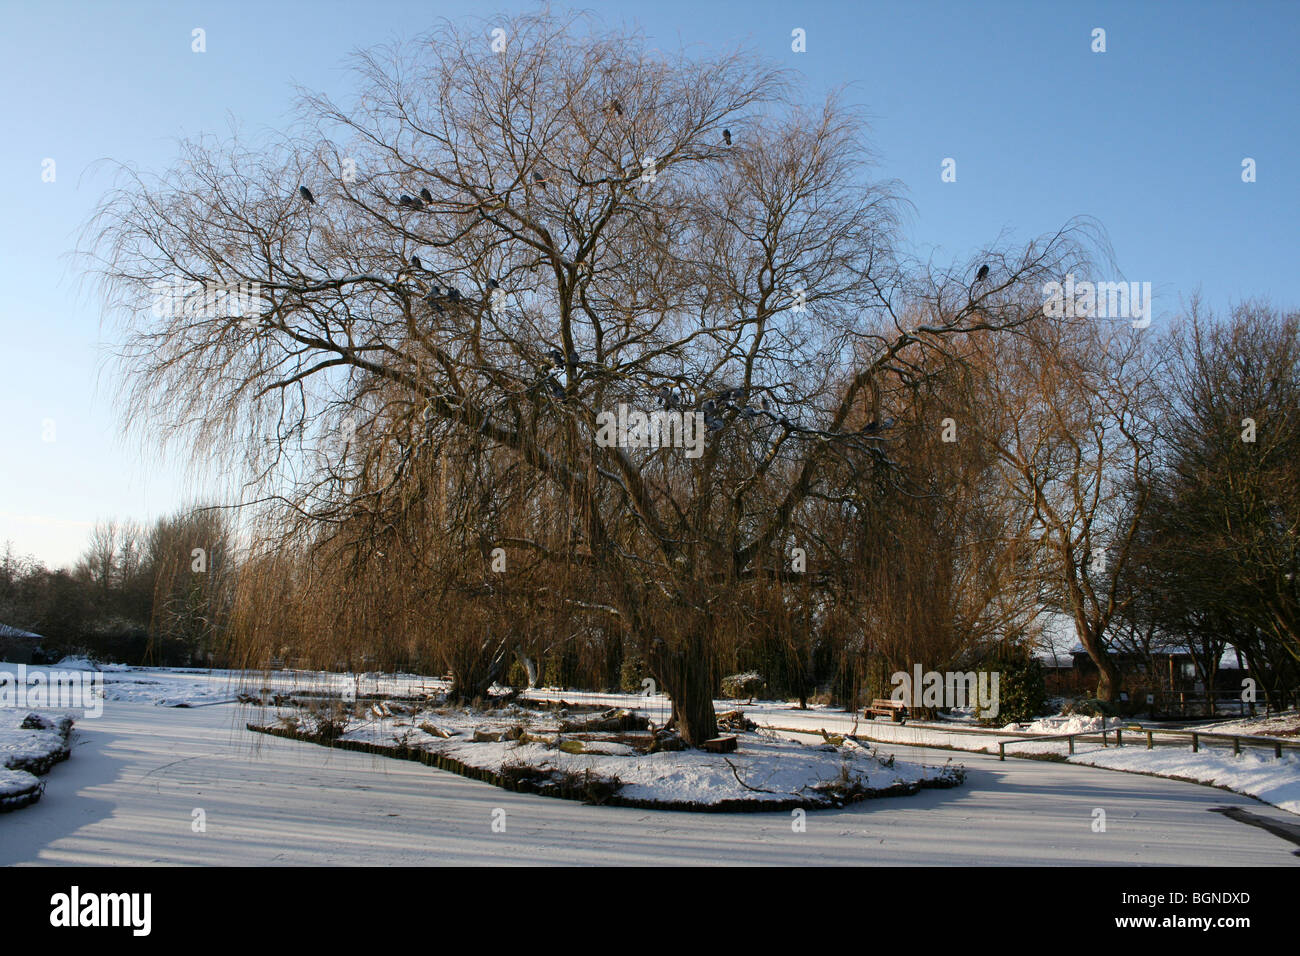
point(1148, 740)
point(1196, 744)
point(1071, 744)
point(1119, 737)
point(1002, 750)
point(1277, 750)
point(1236, 746)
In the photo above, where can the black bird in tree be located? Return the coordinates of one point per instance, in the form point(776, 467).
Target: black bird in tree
point(726, 136)
point(305, 193)
point(539, 179)
point(983, 273)
point(426, 196)
point(453, 294)
point(416, 263)
point(493, 284)
point(556, 357)
point(617, 107)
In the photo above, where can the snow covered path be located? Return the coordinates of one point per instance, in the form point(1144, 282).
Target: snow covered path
point(128, 794)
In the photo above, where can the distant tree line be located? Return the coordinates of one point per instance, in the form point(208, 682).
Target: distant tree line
point(156, 595)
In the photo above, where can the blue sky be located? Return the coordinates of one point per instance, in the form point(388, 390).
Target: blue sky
point(1148, 138)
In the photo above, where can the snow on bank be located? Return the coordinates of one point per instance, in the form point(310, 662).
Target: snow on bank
point(18, 788)
point(1067, 724)
point(30, 744)
point(764, 770)
point(1286, 724)
point(188, 687)
point(86, 664)
point(1254, 774)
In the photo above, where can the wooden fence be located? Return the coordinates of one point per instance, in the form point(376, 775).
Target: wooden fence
point(1276, 744)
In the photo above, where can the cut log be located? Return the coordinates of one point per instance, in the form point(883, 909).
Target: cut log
point(611, 720)
point(734, 720)
point(720, 745)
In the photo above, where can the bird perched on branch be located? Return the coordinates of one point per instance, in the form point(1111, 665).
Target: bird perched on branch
point(426, 196)
point(726, 136)
point(416, 264)
point(305, 193)
point(983, 273)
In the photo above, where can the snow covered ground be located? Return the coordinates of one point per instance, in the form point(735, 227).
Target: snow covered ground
point(18, 789)
point(1257, 773)
point(765, 768)
point(182, 687)
point(1277, 725)
point(29, 746)
point(1254, 772)
point(140, 774)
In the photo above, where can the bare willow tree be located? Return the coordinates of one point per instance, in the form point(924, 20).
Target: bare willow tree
point(1069, 409)
point(494, 243)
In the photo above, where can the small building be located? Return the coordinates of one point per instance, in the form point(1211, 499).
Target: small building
point(18, 646)
point(1167, 681)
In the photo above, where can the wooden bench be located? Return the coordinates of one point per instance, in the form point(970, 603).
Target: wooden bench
point(894, 709)
point(721, 745)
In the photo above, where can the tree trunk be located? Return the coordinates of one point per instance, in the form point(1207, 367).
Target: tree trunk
point(474, 667)
point(534, 667)
point(1108, 676)
point(686, 675)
